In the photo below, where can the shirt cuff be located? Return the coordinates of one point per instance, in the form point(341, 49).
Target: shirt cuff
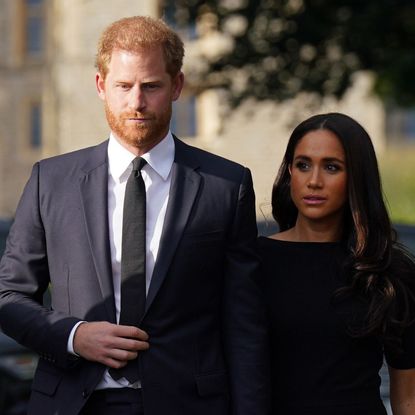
point(70, 339)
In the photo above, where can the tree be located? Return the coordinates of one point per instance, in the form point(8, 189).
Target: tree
point(282, 47)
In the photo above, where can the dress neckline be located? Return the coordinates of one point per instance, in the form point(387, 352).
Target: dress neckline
point(299, 243)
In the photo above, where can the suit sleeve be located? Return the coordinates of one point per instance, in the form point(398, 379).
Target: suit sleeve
point(24, 278)
point(245, 328)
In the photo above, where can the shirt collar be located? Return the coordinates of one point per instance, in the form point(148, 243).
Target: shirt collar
point(160, 158)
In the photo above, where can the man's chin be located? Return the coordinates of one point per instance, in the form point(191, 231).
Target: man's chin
point(134, 141)
point(142, 139)
point(140, 142)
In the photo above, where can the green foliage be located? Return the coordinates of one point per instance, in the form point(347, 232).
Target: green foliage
point(397, 168)
point(282, 47)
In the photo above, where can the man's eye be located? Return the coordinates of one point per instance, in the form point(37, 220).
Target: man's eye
point(151, 86)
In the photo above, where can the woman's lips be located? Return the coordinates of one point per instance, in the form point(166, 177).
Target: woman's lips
point(314, 199)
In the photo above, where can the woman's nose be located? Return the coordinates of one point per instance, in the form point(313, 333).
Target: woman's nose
point(315, 180)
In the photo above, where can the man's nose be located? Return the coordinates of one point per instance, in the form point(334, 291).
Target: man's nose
point(137, 100)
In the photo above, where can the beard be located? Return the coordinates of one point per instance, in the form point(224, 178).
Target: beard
point(142, 136)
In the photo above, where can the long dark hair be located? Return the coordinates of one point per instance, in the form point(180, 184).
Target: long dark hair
point(382, 270)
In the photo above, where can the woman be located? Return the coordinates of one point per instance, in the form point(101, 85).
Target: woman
point(338, 287)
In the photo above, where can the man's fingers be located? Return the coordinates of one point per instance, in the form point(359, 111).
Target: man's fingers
point(126, 344)
point(114, 363)
point(122, 355)
point(110, 344)
point(130, 332)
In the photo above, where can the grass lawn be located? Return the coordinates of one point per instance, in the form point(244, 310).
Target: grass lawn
point(397, 168)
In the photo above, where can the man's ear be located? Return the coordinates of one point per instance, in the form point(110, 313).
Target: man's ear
point(178, 82)
point(100, 85)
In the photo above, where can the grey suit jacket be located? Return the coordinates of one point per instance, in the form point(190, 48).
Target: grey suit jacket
point(203, 315)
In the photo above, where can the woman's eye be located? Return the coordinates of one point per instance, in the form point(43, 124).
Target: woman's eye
point(332, 167)
point(302, 165)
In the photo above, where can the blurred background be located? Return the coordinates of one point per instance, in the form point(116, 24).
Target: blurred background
point(254, 69)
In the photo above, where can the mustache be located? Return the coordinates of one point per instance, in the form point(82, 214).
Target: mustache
point(147, 116)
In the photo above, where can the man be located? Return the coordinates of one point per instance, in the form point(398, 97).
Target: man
point(197, 346)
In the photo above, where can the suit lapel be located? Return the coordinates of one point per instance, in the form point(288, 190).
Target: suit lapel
point(94, 196)
point(185, 184)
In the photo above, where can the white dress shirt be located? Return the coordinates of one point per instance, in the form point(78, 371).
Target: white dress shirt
point(157, 179)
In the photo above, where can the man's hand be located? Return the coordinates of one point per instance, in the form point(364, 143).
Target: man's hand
point(110, 344)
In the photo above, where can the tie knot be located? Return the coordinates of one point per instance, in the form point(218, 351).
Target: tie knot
point(138, 163)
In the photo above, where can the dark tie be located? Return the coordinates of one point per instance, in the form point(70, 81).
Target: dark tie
point(133, 260)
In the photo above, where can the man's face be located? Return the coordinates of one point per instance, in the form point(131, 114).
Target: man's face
point(138, 95)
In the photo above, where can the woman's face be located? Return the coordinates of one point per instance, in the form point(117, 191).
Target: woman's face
point(319, 177)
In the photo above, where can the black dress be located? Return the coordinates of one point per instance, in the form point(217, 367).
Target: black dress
point(318, 368)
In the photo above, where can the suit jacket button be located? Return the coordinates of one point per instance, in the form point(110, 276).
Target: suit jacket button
point(85, 394)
